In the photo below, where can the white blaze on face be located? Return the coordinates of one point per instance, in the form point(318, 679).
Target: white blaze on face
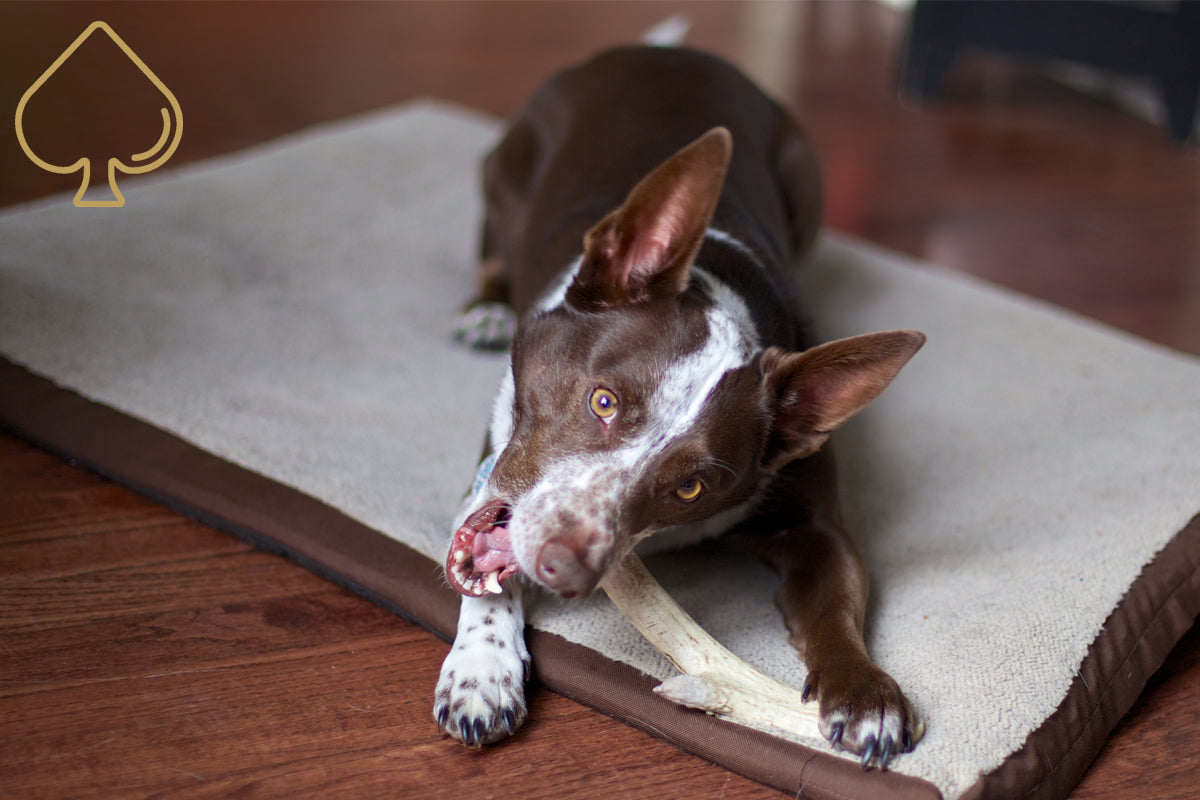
point(688, 383)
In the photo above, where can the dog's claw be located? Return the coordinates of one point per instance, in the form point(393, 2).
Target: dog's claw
point(868, 752)
point(479, 730)
point(806, 692)
point(464, 727)
point(885, 752)
point(835, 733)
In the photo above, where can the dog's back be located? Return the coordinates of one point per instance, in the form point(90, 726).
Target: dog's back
point(591, 132)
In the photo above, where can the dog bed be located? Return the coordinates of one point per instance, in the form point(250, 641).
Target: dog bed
point(264, 341)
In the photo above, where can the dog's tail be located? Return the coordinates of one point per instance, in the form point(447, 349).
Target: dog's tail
point(669, 33)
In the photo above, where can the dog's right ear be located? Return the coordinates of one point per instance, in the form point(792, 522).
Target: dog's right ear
point(645, 248)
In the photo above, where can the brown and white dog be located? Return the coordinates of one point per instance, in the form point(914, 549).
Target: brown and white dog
point(664, 381)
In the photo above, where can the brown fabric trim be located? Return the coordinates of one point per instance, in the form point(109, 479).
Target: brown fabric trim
point(1160, 607)
point(320, 538)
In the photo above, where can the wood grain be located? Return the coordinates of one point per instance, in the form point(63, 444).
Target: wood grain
point(143, 654)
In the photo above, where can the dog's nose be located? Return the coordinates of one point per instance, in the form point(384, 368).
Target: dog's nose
point(563, 566)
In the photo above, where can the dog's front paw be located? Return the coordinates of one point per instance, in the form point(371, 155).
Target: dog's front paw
point(486, 326)
point(480, 695)
point(481, 700)
point(862, 710)
point(474, 710)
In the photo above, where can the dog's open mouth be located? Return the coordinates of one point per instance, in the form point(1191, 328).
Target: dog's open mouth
point(481, 557)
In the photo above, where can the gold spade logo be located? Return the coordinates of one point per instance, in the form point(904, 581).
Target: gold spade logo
point(163, 149)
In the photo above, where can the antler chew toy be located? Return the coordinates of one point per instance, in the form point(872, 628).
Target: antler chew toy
point(713, 680)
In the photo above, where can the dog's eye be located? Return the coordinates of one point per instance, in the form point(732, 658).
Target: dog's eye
point(603, 403)
point(689, 490)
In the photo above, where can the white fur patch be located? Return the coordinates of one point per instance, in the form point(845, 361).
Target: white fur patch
point(486, 326)
point(727, 240)
point(557, 294)
point(689, 382)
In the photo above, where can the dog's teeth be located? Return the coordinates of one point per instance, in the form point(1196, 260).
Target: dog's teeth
point(460, 556)
point(493, 583)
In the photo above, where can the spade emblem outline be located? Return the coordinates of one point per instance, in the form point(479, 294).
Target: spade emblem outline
point(114, 163)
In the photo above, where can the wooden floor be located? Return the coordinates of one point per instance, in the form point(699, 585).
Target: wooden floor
point(143, 654)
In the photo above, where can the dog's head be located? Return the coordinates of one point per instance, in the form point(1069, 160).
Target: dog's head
point(640, 398)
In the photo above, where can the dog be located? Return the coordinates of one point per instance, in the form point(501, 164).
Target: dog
point(644, 212)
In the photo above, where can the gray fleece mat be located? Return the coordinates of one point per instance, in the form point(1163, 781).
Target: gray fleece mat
point(289, 308)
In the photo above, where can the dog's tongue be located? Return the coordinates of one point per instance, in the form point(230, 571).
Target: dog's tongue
point(492, 550)
point(481, 556)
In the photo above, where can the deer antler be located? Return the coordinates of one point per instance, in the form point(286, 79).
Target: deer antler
point(713, 679)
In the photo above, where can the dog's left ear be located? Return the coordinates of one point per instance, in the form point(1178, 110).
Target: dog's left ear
point(645, 248)
point(815, 391)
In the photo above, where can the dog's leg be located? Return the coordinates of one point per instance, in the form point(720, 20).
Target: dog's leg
point(480, 695)
point(488, 321)
point(823, 598)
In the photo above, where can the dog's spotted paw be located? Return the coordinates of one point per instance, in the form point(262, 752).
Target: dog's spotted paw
point(480, 695)
point(479, 706)
point(486, 326)
point(862, 710)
